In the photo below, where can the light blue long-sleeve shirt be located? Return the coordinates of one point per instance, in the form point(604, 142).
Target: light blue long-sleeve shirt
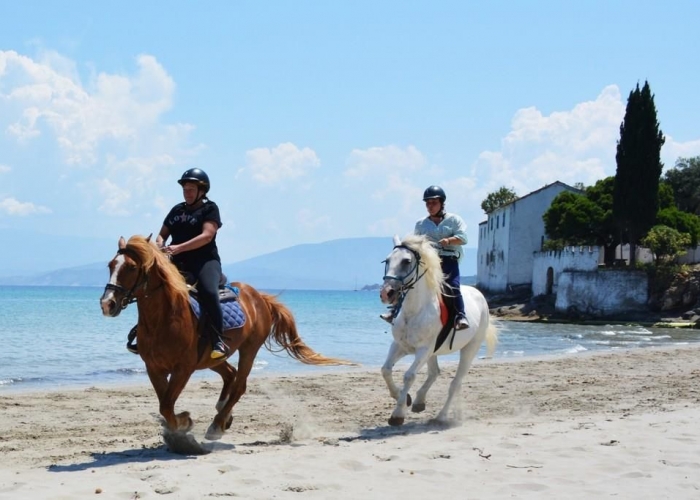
point(451, 225)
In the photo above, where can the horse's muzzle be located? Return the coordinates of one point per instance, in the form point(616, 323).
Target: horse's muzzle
point(387, 294)
point(110, 307)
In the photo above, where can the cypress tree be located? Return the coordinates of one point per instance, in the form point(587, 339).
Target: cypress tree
point(636, 190)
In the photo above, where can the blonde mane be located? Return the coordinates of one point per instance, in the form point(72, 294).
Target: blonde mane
point(155, 261)
point(429, 259)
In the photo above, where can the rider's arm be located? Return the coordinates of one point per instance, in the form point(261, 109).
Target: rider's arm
point(162, 236)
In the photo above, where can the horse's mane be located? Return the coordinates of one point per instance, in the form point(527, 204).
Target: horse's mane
point(429, 258)
point(155, 261)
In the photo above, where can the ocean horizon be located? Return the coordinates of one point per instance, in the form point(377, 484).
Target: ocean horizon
point(57, 337)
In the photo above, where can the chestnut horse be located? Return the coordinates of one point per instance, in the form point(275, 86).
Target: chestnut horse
point(167, 331)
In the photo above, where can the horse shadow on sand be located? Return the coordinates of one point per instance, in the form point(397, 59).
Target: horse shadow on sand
point(181, 448)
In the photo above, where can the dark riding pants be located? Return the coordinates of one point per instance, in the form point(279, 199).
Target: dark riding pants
point(208, 278)
point(450, 268)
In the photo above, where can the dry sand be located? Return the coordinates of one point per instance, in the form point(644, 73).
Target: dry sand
point(622, 425)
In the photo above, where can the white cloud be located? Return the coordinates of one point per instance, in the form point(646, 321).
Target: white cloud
point(570, 146)
point(12, 206)
point(111, 127)
point(286, 161)
point(672, 150)
point(4, 169)
point(363, 162)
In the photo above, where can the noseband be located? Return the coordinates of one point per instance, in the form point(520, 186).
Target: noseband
point(129, 297)
point(407, 284)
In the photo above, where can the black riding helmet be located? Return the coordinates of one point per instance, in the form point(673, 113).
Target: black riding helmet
point(198, 176)
point(434, 192)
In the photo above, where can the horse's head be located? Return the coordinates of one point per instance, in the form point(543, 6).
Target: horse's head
point(408, 262)
point(127, 277)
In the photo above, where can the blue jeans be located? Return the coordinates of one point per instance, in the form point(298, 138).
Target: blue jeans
point(450, 268)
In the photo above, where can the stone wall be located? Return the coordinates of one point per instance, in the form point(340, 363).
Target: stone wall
point(601, 293)
point(548, 266)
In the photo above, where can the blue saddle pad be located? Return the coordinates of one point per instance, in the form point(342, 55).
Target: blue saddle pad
point(234, 317)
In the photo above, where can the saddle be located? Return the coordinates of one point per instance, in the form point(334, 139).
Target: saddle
point(226, 292)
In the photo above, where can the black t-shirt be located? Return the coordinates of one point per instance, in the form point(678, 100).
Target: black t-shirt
point(184, 223)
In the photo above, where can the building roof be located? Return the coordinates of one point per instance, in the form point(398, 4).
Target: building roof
point(546, 186)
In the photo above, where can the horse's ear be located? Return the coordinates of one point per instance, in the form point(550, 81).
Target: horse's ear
point(148, 240)
point(397, 240)
point(122, 243)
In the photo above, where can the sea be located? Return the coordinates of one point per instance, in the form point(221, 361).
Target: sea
point(57, 337)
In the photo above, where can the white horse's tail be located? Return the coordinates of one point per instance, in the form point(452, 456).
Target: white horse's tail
point(491, 336)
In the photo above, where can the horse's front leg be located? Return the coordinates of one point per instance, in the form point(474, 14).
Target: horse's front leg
point(168, 390)
point(433, 372)
point(399, 414)
point(395, 353)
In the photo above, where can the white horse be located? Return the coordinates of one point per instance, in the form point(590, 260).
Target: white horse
point(413, 282)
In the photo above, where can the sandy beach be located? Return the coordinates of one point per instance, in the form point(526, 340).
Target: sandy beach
point(624, 424)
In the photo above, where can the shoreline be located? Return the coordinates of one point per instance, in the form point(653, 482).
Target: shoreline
point(553, 427)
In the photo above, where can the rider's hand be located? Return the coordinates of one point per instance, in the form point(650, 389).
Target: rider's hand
point(444, 242)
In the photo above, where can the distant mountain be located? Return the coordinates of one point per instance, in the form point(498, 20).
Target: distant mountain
point(343, 264)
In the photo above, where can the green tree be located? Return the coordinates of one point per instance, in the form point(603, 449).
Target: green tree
point(497, 199)
point(584, 219)
point(684, 179)
point(666, 243)
point(683, 222)
point(636, 192)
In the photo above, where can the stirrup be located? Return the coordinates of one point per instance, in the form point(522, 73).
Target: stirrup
point(461, 324)
point(132, 348)
point(217, 353)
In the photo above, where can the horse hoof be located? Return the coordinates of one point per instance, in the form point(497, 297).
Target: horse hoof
point(229, 421)
point(213, 433)
point(409, 401)
point(418, 407)
point(396, 421)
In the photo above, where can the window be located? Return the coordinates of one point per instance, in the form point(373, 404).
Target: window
point(504, 219)
point(498, 218)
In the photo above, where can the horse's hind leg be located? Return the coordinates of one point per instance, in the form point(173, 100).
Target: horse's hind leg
point(466, 356)
point(433, 372)
point(228, 375)
point(246, 358)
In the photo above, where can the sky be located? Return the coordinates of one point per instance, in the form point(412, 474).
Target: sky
point(320, 120)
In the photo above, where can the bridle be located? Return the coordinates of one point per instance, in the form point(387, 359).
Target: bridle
point(140, 283)
point(408, 281)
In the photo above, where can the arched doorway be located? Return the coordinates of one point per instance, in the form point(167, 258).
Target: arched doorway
point(550, 280)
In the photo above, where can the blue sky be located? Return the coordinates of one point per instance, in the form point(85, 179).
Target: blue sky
point(319, 120)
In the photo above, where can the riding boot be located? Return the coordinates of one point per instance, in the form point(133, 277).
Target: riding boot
point(219, 349)
point(130, 341)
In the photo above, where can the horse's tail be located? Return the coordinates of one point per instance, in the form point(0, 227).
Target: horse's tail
point(284, 333)
point(491, 336)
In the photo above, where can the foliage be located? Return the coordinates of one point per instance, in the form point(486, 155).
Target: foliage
point(636, 190)
point(497, 199)
point(683, 222)
point(684, 180)
point(584, 219)
point(553, 245)
point(666, 197)
point(666, 243)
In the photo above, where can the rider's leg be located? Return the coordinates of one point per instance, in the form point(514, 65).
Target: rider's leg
point(208, 293)
point(450, 267)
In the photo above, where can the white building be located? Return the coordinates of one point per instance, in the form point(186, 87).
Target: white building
point(509, 238)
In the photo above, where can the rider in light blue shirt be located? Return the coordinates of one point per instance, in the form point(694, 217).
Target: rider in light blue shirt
point(448, 233)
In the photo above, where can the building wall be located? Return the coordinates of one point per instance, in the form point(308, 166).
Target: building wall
point(510, 235)
point(602, 293)
point(492, 252)
point(569, 259)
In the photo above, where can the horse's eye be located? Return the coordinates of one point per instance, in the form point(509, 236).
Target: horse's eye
point(405, 261)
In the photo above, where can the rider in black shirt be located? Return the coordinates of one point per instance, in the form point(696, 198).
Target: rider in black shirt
point(192, 225)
